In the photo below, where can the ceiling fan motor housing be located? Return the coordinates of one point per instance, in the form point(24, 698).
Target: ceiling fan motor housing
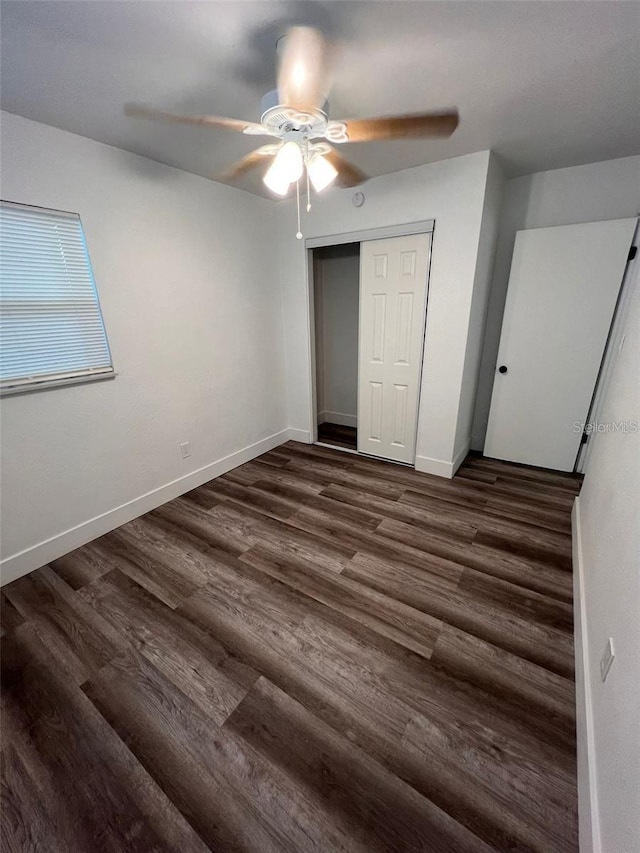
point(281, 120)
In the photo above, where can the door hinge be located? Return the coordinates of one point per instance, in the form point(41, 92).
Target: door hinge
point(584, 438)
point(633, 251)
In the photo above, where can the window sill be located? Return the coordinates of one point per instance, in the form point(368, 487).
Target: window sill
point(47, 385)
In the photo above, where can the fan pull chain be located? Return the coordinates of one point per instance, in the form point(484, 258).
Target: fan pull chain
point(308, 192)
point(299, 232)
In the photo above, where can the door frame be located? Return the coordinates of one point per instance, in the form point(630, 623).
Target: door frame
point(425, 226)
point(615, 341)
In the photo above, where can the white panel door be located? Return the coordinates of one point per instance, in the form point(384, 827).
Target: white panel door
point(562, 293)
point(393, 295)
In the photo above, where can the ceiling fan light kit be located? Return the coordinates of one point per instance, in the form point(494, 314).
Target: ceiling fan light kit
point(286, 168)
point(298, 151)
point(296, 114)
point(321, 172)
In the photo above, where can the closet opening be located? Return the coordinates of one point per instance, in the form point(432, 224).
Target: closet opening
point(336, 278)
point(367, 307)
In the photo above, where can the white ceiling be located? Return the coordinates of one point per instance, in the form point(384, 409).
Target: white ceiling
point(544, 84)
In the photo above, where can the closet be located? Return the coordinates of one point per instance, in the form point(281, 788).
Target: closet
point(336, 277)
point(369, 304)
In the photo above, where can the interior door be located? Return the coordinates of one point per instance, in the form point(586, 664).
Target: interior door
point(393, 295)
point(562, 293)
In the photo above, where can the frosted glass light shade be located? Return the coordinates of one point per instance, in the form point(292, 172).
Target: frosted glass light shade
point(275, 181)
point(321, 172)
point(286, 168)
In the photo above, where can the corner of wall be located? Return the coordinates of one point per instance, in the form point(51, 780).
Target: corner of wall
point(478, 310)
point(17, 565)
point(587, 792)
point(442, 467)
point(301, 435)
point(279, 217)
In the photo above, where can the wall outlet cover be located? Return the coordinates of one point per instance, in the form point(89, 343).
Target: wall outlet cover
point(185, 449)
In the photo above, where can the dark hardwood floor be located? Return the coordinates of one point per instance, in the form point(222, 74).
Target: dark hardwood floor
point(314, 652)
point(338, 436)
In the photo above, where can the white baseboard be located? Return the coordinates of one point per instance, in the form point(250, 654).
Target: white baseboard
point(439, 467)
point(339, 418)
point(442, 467)
point(38, 555)
point(302, 435)
point(588, 821)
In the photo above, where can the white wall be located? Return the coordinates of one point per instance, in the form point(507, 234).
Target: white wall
point(451, 192)
point(186, 272)
point(337, 284)
point(608, 586)
point(589, 193)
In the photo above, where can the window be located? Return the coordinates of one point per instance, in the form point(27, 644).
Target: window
point(51, 327)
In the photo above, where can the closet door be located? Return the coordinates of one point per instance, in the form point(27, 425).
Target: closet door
point(393, 295)
point(562, 293)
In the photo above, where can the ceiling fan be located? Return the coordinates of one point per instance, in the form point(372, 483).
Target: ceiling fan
point(296, 116)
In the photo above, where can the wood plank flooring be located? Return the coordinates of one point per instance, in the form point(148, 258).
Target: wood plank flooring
point(338, 436)
point(314, 652)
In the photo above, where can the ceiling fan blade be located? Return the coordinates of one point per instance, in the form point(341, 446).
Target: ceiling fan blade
point(425, 125)
point(348, 174)
point(303, 77)
point(247, 163)
point(138, 110)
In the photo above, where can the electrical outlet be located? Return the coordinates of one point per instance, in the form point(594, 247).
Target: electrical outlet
point(607, 659)
point(185, 449)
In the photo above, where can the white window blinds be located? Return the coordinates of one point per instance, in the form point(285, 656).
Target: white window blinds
point(51, 327)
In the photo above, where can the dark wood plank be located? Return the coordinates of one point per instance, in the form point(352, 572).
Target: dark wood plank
point(200, 523)
point(556, 480)
point(379, 813)
point(258, 530)
point(490, 618)
point(326, 474)
point(372, 697)
point(365, 517)
point(436, 520)
point(338, 436)
point(174, 741)
point(10, 616)
point(550, 696)
point(393, 619)
point(79, 640)
point(251, 472)
point(82, 566)
point(315, 651)
point(21, 797)
point(494, 554)
point(194, 662)
point(313, 452)
point(332, 529)
point(92, 792)
point(137, 551)
point(511, 509)
point(202, 497)
point(253, 498)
